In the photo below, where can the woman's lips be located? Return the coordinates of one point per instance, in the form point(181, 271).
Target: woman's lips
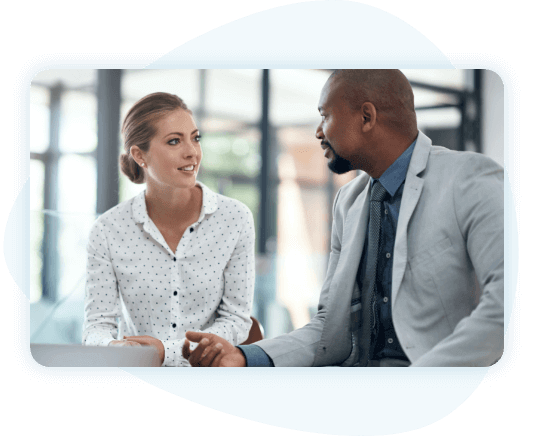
point(188, 169)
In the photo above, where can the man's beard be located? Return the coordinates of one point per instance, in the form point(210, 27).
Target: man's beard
point(338, 164)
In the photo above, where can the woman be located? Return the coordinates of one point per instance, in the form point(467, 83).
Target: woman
point(176, 257)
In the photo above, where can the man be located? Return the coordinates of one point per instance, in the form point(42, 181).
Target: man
point(410, 240)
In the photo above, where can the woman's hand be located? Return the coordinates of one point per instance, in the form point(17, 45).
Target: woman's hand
point(123, 343)
point(151, 342)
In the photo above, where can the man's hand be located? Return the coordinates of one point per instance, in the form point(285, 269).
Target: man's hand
point(151, 342)
point(211, 351)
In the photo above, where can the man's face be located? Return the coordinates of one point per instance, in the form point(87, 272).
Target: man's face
point(339, 130)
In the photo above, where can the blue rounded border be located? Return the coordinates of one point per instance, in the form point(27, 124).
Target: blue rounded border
point(139, 60)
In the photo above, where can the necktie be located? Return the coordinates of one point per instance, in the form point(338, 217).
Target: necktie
point(369, 316)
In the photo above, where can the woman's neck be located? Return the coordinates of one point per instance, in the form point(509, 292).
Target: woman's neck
point(173, 206)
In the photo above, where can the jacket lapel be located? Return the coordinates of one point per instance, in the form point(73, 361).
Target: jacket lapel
point(354, 229)
point(413, 187)
point(344, 280)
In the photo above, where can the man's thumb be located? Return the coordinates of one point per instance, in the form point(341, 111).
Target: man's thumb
point(194, 336)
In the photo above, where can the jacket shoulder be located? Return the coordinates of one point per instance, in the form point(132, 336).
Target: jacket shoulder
point(348, 193)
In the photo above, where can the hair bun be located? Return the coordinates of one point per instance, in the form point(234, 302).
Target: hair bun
point(130, 169)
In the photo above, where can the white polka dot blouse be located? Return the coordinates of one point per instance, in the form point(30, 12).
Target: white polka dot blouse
point(136, 285)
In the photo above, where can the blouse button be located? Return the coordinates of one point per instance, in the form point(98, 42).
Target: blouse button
point(191, 230)
point(175, 293)
point(174, 325)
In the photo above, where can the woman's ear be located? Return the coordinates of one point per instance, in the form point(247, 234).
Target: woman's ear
point(137, 155)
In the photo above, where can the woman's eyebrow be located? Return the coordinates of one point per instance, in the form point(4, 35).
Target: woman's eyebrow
point(181, 134)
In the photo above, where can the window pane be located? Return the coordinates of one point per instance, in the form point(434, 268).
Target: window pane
point(295, 96)
point(36, 228)
point(77, 204)
point(128, 189)
point(68, 78)
point(78, 122)
point(36, 184)
point(139, 83)
point(77, 184)
point(442, 118)
point(448, 78)
point(236, 153)
point(74, 229)
point(307, 154)
point(39, 119)
point(234, 94)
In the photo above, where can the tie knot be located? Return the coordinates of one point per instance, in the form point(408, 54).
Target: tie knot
point(378, 192)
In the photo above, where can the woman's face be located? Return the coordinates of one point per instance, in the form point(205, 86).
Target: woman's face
point(174, 156)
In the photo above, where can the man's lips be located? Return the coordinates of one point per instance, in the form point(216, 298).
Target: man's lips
point(327, 148)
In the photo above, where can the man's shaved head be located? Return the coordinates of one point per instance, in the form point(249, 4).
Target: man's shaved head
point(388, 90)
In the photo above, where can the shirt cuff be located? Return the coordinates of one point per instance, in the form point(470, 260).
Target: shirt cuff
point(255, 356)
point(173, 353)
point(105, 342)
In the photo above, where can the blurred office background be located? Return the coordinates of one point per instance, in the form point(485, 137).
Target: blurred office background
point(259, 146)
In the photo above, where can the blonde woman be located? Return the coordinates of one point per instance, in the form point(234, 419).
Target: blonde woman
point(177, 256)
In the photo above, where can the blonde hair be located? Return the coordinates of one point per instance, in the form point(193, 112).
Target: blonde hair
point(139, 127)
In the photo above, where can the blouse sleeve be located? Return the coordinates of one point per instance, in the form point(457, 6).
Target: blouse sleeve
point(102, 303)
point(233, 322)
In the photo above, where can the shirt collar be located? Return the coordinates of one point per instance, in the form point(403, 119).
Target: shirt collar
point(393, 177)
point(209, 204)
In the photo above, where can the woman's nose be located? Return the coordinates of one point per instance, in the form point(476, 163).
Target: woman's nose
point(190, 150)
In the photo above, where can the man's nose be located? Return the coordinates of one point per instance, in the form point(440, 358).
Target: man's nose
point(319, 132)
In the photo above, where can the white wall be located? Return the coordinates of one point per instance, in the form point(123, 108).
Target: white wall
point(493, 116)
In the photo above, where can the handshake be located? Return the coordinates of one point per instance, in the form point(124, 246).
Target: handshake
point(211, 351)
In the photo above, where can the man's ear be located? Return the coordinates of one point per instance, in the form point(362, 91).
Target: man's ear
point(368, 112)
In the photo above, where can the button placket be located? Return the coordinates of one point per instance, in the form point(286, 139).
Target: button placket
point(175, 304)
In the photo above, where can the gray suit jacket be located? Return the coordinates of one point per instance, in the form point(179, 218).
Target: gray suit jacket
point(450, 238)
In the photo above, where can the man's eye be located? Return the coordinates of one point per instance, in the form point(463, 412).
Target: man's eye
point(174, 141)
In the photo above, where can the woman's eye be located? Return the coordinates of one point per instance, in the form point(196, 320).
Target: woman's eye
point(197, 138)
point(174, 141)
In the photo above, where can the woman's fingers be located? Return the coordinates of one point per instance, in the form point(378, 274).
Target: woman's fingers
point(124, 343)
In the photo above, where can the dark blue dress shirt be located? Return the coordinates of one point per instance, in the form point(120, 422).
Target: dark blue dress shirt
point(386, 344)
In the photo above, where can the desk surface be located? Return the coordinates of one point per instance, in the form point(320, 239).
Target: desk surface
point(66, 355)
